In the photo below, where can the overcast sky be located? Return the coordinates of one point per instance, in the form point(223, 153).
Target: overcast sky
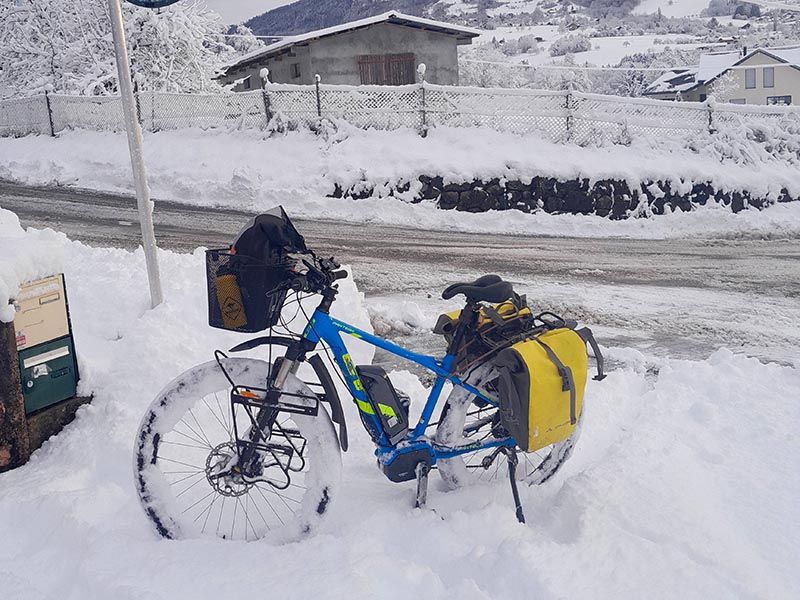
point(237, 11)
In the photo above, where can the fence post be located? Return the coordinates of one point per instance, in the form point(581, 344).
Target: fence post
point(49, 113)
point(569, 116)
point(264, 75)
point(317, 79)
point(267, 107)
point(423, 109)
point(138, 108)
point(710, 110)
point(153, 111)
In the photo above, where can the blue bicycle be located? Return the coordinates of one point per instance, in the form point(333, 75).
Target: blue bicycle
point(242, 448)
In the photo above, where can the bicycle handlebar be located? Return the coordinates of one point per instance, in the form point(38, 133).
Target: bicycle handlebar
point(319, 276)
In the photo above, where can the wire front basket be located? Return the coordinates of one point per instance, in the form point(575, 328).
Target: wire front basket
point(244, 293)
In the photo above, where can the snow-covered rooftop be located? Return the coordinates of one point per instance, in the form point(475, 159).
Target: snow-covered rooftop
point(790, 54)
point(675, 80)
point(394, 17)
point(714, 64)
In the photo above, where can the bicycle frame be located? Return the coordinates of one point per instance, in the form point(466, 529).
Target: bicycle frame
point(323, 327)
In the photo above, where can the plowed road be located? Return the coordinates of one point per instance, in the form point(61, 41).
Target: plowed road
point(687, 296)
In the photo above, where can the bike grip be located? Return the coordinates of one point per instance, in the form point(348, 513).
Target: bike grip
point(339, 275)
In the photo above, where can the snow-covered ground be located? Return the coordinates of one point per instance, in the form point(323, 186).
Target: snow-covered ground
point(249, 171)
point(671, 8)
point(606, 51)
point(683, 483)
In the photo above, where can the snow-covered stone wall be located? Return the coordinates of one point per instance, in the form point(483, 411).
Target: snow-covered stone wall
point(612, 198)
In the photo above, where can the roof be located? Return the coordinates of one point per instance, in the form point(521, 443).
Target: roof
point(392, 17)
point(714, 65)
point(673, 81)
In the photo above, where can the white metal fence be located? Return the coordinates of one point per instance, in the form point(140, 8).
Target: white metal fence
point(560, 116)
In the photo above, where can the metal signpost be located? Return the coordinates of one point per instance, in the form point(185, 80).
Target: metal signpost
point(134, 131)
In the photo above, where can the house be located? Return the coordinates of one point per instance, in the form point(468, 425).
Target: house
point(762, 76)
point(673, 84)
point(384, 50)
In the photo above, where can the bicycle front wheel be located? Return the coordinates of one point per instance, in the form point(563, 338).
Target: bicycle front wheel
point(187, 436)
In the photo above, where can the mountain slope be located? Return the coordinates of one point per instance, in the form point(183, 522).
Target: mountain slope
point(308, 15)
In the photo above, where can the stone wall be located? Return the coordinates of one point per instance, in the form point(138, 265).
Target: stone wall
point(606, 198)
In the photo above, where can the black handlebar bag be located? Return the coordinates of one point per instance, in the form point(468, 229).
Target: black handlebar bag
point(245, 290)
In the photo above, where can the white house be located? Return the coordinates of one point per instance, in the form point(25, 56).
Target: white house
point(762, 76)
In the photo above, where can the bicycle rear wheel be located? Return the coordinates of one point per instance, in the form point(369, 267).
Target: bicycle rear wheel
point(186, 438)
point(467, 420)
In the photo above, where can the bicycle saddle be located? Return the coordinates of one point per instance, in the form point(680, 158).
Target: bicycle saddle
point(489, 288)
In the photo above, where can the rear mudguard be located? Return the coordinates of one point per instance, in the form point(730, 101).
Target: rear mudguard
point(329, 393)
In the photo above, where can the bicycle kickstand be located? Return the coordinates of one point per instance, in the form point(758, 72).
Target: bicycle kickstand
point(422, 471)
point(511, 455)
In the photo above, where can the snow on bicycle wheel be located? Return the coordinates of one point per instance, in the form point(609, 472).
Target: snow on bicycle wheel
point(185, 460)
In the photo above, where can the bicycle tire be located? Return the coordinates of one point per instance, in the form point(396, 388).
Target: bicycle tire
point(454, 429)
point(163, 428)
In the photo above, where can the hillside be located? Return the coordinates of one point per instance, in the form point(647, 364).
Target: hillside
point(308, 15)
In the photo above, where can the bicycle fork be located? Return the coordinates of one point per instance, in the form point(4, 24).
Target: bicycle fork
point(266, 416)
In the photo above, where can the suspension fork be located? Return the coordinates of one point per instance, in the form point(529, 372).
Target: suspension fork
point(289, 364)
point(267, 414)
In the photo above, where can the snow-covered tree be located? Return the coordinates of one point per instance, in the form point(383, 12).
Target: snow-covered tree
point(570, 44)
point(66, 46)
point(485, 66)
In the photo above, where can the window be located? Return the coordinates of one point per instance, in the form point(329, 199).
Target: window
point(246, 83)
point(779, 100)
point(738, 101)
point(769, 77)
point(295, 70)
point(386, 69)
point(750, 79)
point(703, 97)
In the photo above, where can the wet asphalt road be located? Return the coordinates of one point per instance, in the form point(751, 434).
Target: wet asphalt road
point(378, 253)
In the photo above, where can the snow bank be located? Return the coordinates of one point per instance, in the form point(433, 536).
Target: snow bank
point(25, 257)
point(244, 170)
point(683, 484)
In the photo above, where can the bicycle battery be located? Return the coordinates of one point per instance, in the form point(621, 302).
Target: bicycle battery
point(385, 402)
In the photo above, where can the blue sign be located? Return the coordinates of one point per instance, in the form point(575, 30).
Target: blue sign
point(152, 3)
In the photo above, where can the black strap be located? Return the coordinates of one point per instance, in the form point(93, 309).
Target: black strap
point(567, 380)
point(588, 337)
point(495, 316)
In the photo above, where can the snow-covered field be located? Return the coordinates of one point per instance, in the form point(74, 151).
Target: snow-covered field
point(671, 8)
point(683, 484)
point(249, 171)
point(605, 51)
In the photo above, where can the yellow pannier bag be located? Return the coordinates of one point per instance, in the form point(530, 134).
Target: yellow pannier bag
point(541, 385)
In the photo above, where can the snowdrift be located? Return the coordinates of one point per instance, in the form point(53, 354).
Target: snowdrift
point(249, 171)
point(683, 484)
